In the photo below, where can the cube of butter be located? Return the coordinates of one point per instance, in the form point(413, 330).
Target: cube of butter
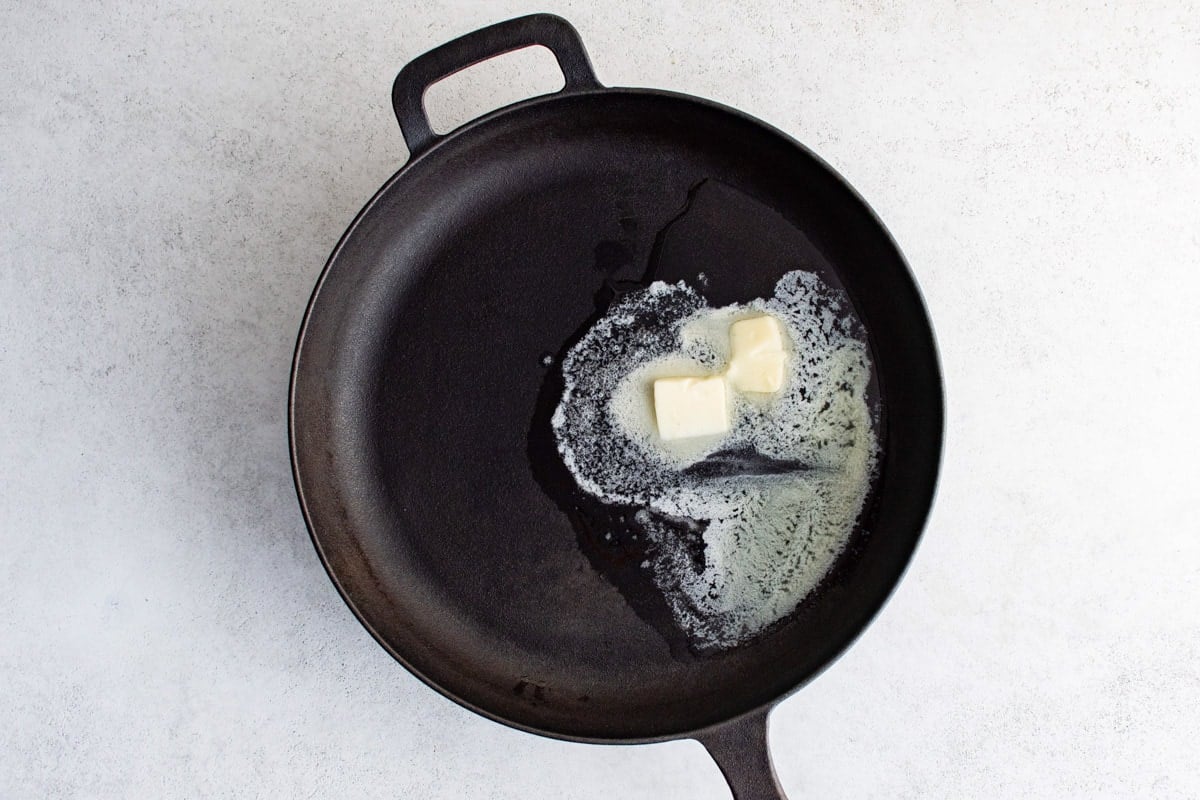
point(757, 355)
point(687, 407)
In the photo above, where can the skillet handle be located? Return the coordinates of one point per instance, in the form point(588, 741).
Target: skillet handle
point(552, 32)
point(740, 750)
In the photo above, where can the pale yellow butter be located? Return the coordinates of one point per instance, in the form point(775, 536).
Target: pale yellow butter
point(687, 407)
point(757, 355)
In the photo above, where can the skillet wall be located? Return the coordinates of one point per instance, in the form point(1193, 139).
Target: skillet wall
point(419, 377)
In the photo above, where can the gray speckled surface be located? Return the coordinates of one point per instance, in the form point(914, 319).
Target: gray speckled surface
point(172, 177)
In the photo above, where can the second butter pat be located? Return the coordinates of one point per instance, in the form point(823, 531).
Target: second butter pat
point(757, 355)
point(687, 407)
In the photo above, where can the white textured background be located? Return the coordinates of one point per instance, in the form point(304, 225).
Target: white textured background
point(172, 177)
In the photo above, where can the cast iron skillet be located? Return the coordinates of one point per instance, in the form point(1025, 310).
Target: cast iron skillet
point(426, 371)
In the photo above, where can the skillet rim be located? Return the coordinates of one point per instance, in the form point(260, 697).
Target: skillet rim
point(936, 408)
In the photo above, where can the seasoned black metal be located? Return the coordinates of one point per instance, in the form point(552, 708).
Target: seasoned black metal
point(740, 749)
point(426, 371)
point(553, 33)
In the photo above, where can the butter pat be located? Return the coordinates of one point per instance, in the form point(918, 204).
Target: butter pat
point(687, 407)
point(757, 355)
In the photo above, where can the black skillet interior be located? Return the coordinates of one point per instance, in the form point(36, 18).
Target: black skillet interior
point(427, 370)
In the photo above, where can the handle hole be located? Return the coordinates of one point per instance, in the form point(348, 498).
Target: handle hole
point(491, 84)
